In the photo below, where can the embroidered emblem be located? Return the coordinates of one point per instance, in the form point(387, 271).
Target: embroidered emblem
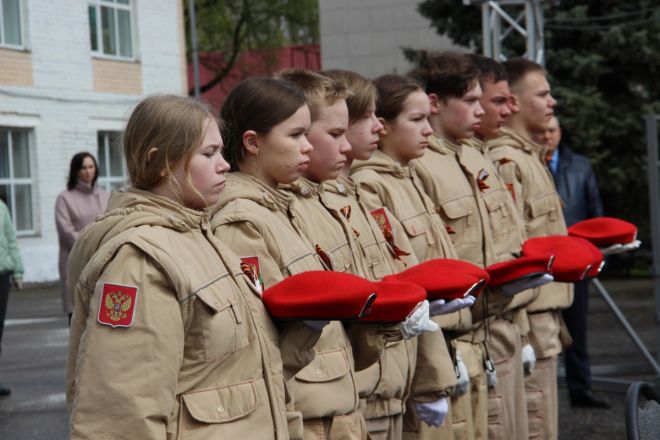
point(481, 180)
point(250, 267)
point(386, 228)
point(346, 212)
point(117, 307)
point(325, 258)
point(449, 229)
point(509, 186)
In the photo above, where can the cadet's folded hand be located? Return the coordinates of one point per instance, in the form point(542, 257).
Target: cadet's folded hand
point(317, 325)
point(462, 377)
point(440, 307)
point(418, 321)
point(528, 358)
point(433, 413)
point(517, 286)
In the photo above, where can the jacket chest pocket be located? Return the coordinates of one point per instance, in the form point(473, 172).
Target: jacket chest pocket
point(325, 387)
point(418, 229)
point(226, 412)
point(501, 218)
point(222, 320)
point(460, 216)
point(341, 258)
point(373, 254)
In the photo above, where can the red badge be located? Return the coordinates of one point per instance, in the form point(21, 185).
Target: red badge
point(381, 218)
point(449, 229)
point(325, 258)
point(346, 212)
point(117, 307)
point(481, 180)
point(250, 267)
point(509, 186)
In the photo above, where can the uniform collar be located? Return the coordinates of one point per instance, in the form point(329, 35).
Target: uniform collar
point(342, 186)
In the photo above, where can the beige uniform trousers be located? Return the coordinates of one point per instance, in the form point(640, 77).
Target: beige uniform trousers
point(507, 406)
point(469, 411)
point(541, 384)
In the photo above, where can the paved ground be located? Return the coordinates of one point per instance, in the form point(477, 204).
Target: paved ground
point(35, 346)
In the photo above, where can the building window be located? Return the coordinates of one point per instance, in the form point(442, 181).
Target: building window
point(16, 178)
point(10, 23)
point(110, 28)
point(112, 168)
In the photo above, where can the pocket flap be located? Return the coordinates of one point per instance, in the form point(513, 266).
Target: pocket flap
point(458, 208)
point(542, 205)
point(416, 225)
point(325, 367)
point(223, 404)
point(495, 200)
point(213, 301)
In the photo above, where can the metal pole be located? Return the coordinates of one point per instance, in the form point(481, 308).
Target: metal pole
point(654, 204)
point(485, 31)
point(193, 44)
point(626, 325)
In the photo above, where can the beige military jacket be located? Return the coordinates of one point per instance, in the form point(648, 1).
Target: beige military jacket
point(192, 354)
point(518, 161)
point(392, 375)
point(382, 182)
point(257, 220)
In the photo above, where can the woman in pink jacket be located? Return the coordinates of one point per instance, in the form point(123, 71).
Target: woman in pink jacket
point(75, 208)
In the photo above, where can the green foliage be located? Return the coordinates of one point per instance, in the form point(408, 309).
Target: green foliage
point(228, 27)
point(603, 59)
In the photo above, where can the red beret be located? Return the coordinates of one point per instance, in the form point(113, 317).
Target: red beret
point(394, 302)
point(445, 278)
point(320, 295)
point(523, 267)
point(575, 258)
point(604, 231)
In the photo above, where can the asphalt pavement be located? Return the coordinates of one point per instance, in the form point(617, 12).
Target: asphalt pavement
point(34, 350)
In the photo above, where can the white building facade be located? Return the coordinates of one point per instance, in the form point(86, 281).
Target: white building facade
point(366, 36)
point(70, 73)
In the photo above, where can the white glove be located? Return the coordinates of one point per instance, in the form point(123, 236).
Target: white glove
point(418, 321)
point(528, 358)
point(517, 286)
point(433, 413)
point(317, 325)
point(620, 248)
point(462, 377)
point(440, 307)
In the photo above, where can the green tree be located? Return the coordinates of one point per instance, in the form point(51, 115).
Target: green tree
point(603, 59)
point(229, 27)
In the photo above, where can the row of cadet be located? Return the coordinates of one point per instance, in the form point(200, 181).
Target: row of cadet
point(332, 258)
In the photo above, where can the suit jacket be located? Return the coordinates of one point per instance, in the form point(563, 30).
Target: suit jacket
point(577, 186)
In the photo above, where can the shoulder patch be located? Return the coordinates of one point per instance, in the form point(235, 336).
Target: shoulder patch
point(117, 307)
point(251, 269)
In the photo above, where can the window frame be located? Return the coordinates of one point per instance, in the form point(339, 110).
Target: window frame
point(108, 180)
point(99, 53)
point(12, 181)
point(3, 43)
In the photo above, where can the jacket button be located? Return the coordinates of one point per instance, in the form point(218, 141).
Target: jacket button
point(318, 372)
point(221, 410)
point(304, 191)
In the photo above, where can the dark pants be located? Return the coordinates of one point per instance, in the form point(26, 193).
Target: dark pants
point(576, 358)
point(5, 280)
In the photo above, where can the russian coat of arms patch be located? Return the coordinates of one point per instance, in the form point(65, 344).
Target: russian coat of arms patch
point(117, 305)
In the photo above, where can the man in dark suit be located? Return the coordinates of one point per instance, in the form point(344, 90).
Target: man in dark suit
point(578, 189)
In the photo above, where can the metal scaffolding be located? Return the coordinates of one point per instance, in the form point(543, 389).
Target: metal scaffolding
point(498, 24)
